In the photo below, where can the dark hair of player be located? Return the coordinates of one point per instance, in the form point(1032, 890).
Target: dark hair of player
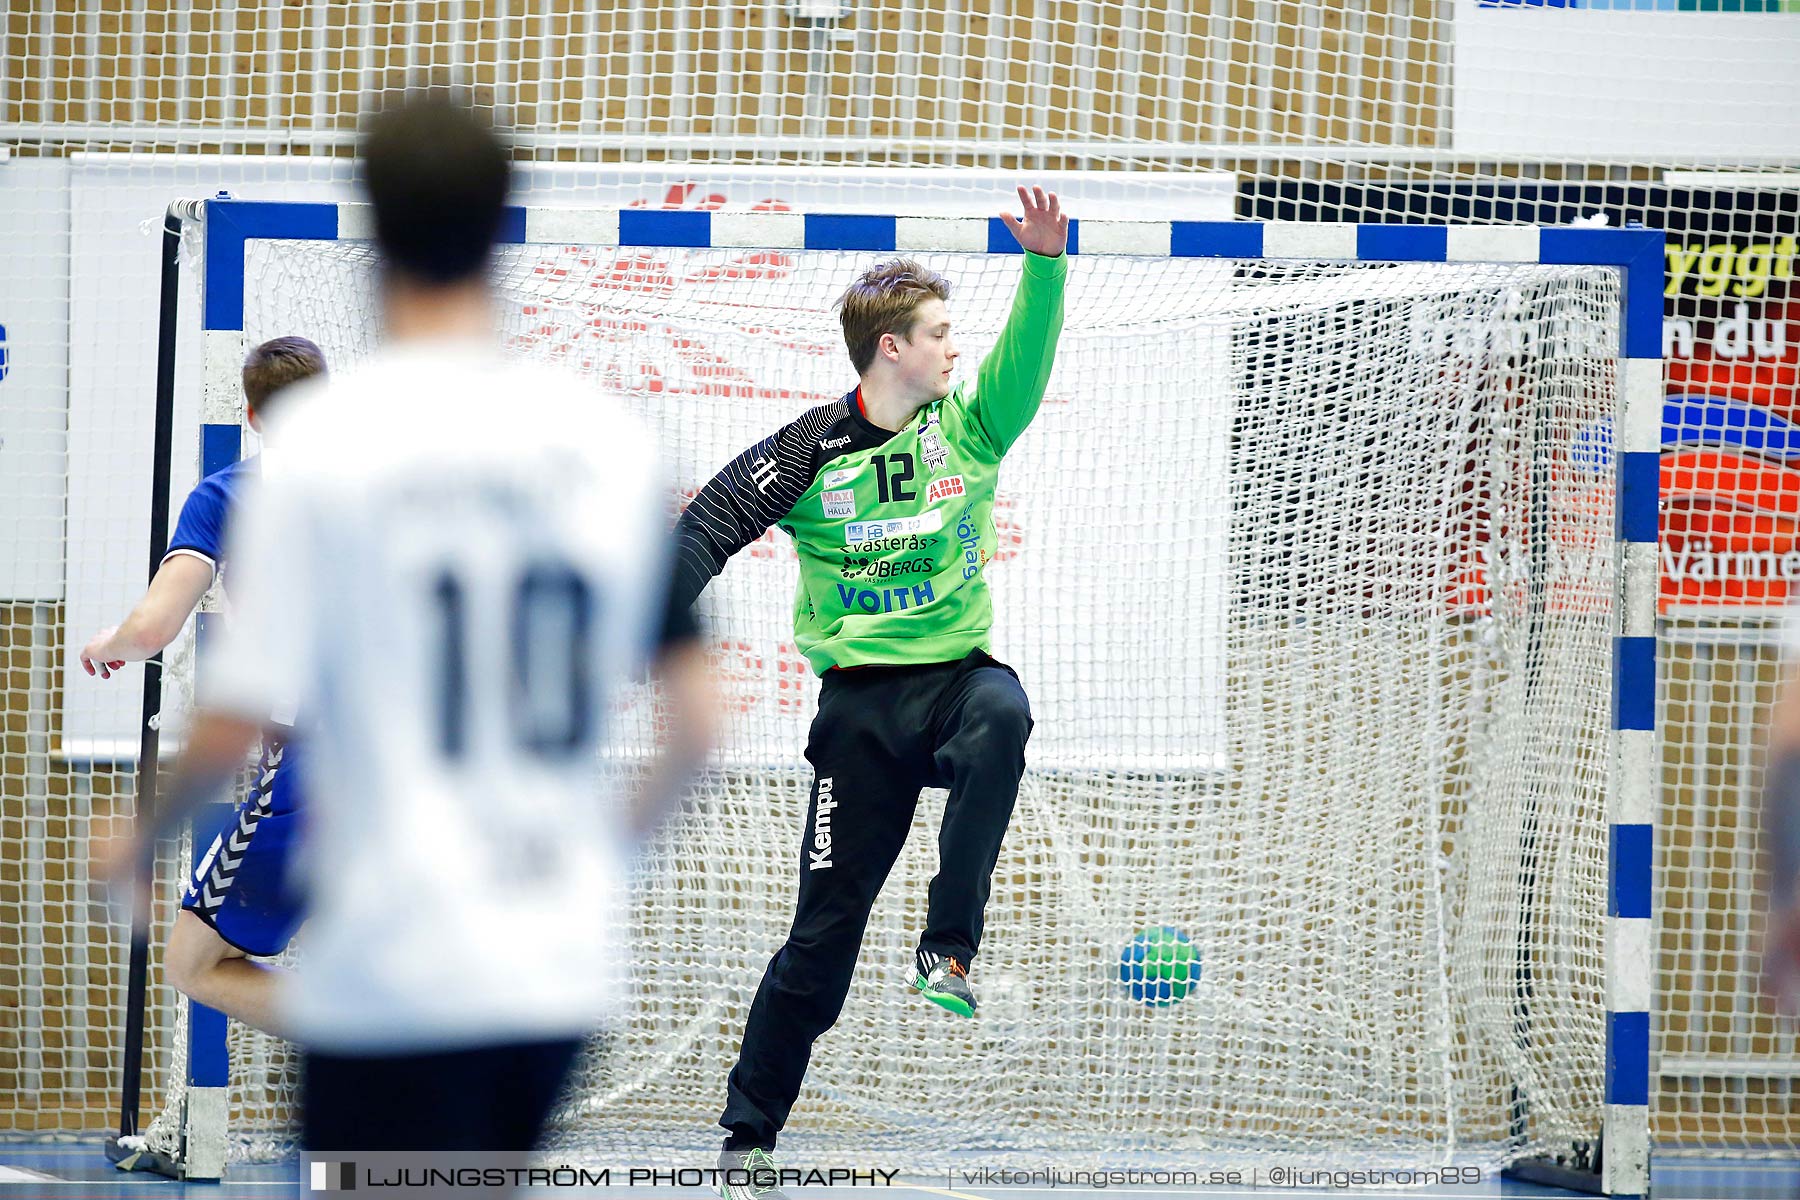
point(883, 300)
point(438, 177)
point(277, 364)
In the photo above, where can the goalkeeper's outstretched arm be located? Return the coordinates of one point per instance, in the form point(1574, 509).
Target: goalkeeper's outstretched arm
point(1010, 382)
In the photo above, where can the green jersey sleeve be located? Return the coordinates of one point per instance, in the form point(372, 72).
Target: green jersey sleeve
point(1009, 384)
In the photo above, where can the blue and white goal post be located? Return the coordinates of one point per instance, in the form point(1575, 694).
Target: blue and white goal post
point(1636, 375)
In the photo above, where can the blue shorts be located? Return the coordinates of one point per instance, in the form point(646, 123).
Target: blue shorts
point(242, 887)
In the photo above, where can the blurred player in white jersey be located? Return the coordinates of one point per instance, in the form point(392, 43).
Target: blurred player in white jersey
point(239, 904)
point(460, 560)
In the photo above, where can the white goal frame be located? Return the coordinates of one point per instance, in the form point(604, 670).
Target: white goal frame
point(1636, 254)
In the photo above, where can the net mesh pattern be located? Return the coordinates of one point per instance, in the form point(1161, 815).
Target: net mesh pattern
point(1323, 111)
point(1734, 1058)
point(1094, 77)
point(1381, 822)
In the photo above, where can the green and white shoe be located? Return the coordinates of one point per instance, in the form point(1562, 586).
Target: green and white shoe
point(765, 1175)
point(945, 982)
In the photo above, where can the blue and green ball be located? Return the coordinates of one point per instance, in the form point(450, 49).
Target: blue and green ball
point(1160, 966)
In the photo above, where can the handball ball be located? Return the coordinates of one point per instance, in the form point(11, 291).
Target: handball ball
point(1159, 966)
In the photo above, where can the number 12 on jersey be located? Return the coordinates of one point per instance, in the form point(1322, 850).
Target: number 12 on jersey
point(892, 473)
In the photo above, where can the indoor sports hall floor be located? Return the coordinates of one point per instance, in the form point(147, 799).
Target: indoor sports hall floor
point(79, 1171)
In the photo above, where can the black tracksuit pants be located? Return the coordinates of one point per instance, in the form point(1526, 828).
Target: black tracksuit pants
point(881, 734)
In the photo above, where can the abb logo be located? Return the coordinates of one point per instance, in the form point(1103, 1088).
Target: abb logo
point(950, 485)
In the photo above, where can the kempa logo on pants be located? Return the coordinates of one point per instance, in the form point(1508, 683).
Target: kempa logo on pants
point(821, 851)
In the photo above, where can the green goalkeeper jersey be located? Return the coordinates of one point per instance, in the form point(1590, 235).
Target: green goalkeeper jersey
point(894, 529)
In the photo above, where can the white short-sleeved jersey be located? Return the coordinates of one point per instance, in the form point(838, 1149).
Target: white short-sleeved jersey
point(458, 560)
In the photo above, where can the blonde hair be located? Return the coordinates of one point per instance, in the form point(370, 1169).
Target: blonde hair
point(883, 300)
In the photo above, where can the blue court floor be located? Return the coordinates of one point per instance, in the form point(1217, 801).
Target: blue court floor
point(79, 1171)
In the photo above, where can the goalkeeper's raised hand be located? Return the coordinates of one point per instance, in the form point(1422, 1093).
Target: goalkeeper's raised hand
point(1044, 229)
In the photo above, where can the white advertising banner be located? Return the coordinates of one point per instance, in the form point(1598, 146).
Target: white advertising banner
point(34, 363)
point(1649, 79)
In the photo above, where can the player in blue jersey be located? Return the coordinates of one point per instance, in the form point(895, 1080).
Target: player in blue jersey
point(238, 905)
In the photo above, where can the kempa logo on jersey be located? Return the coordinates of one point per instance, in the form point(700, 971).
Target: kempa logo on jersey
point(949, 485)
point(820, 858)
point(839, 504)
point(874, 531)
point(835, 443)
